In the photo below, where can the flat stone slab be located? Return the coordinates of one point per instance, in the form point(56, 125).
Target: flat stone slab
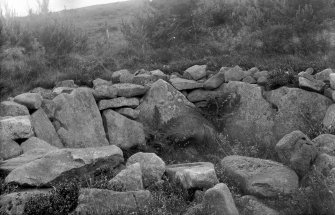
point(130, 90)
point(119, 103)
point(185, 84)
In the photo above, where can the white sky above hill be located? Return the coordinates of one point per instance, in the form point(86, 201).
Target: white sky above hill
point(21, 7)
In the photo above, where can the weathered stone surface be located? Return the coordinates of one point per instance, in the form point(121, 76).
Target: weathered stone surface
point(193, 175)
point(262, 80)
point(185, 84)
point(195, 72)
point(59, 90)
point(250, 205)
point(65, 163)
point(325, 143)
point(324, 163)
point(129, 179)
point(251, 71)
point(9, 108)
point(332, 80)
point(329, 118)
point(32, 101)
point(9, 149)
point(105, 92)
point(106, 202)
point(49, 107)
point(330, 93)
point(45, 93)
point(130, 90)
point(234, 74)
point(66, 83)
point(203, 95)
point(14, 203)
point(297, 151)
point(260, 177)
point(36, 143)
point(118, 103)
point(14, 128)
point(98, 82)
point(310, 71)
point(324, 75)
point(216, 80)
point(308, 81)
point(219, 200)
point(259, 74)
point(121, 131)
point(44, 129)
point(80, 120)
point(145, 79)
point(249, 79)
point(129, 112)
point(122, 76)
point(159, 74)
point(152, 166)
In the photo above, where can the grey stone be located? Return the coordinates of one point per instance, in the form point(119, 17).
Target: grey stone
point(9, 149)
point(32, 101)
point(234, 74)
point(324, 74)
point(66, 83)
point(105, 92)
point(129, 179)
point(307, 81)
point(129, 112)
point(329, 118)
point(9, 108)
point(130, 90)
point(252, 206)
point(122, 76)
point(14, 128)
point(36, 143)
point(195, 72)
point(325, 143)
point(118, 103)
point(185, 84)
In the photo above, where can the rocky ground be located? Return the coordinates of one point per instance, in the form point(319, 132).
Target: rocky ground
point(149, 127)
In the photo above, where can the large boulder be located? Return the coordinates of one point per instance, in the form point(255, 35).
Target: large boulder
point(219, 200)
point(14, 128)
point(260, 177)
point(297, 151)
point(193, 175)
point(123, 132)
point(9, 108)
point(152, 166)
point(9, 149)
point(44, 129)
point(32, 101)
point(129, 179)
point(62, 164)
point(80, 120)
point(106, 202)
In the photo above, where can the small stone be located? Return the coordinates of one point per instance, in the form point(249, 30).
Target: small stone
point(325, 143)
point(59, 90)
point(122, 76)
point(323, 75)
point(195, 72)
point(332, 80)
point(310, 71)
point(216, 80)
point(262, 80)
point(98, 82)
point(32, 101)
point(66, 83)
point(36, 143)
point(185, 84)
point(9, 149)
point(129, 112)
point(259, 74)
point(252, 206)
point(118, 103)
point(329, 119)
point(249, 80)
point(234, 74)
point(130, 90)
point(105, 92)
point(307, 81)
point(129, 179)
point(14, 128)
point(9, 108)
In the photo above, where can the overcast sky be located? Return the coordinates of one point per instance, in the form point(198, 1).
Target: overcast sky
point(21, 7)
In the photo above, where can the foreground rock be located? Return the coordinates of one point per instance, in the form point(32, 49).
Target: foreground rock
point(152, 166)
point(63, 164)
point(15, 128)
point(252, 206)
point(106, 202)
point(9, 108)
point(193, 175)
point(297, 151)
point(9, 149)
point(79, 119)
point(219, 200)
point(123, 132)
point(32, 101)
point(260, 177)
point(129, 179)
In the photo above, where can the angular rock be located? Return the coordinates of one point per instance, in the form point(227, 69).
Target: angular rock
point(193, 175)
point(9, 149)
point(118, 103)
point(216, 80)
point(325, 143)
point(129, 112)
point(234, 74)
point(297, 151)
point(106, 202)
point(260, 177)
point(49, 107)
point(203, 95)
point(129, 179)
point(105, 92)
point(252, 206)
point(9, 108)
point(330, 93)
point(65, 163)
point(323, 75)
point(185, 84)
point(329, 118)
point(98, 82)
point(14, 128)
point(122, 76)
point(123, 132)
point(159, 74)
point(44, 129)
point(80, 120)
point(15, 203)
point(249, 79)
point(152, 166)
point(130, 90)
point(324, 163)
point(32, 101)
point(195, 72)
point(219, 200)
point(66, 83)
point(35, 143)
point(307, 81)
